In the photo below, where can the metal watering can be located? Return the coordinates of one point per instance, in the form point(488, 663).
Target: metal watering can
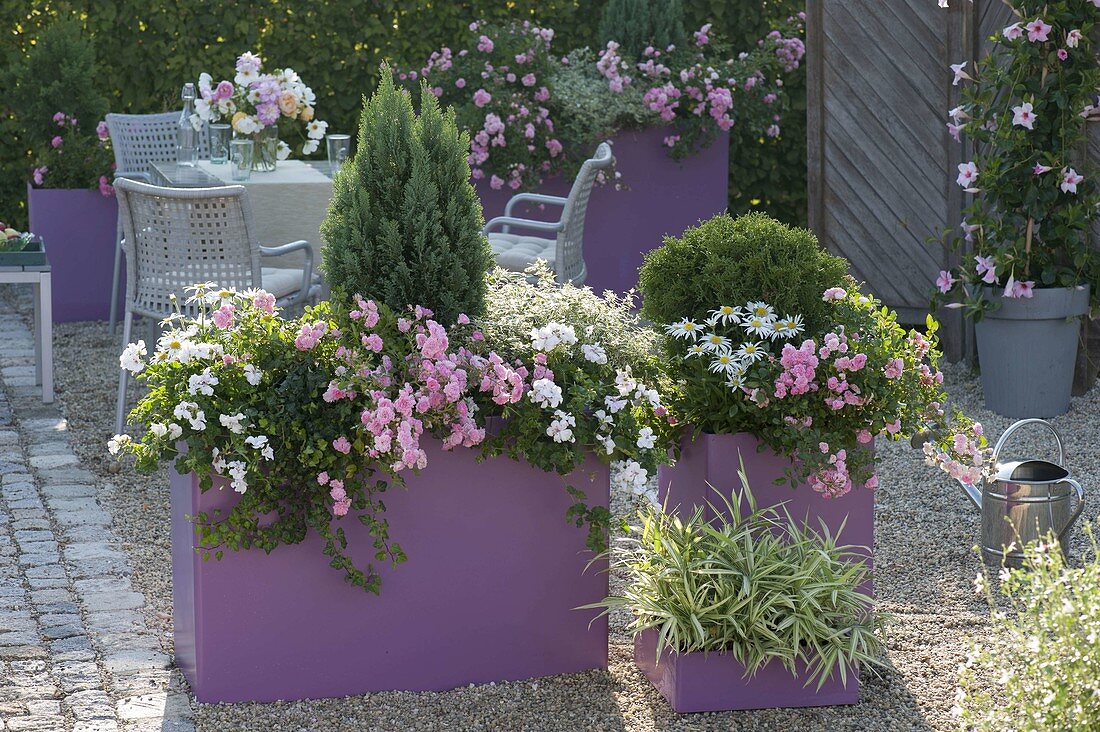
point(1024, 501)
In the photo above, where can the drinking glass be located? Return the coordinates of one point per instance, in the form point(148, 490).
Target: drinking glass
point(338, 148)
point(240, 152)
point(219, 143)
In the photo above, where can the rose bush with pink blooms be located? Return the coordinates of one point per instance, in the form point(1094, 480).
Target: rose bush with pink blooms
point(531, 113)
point(75, 158)
point(309, 420)
point(819, 397)
point(1024, 109)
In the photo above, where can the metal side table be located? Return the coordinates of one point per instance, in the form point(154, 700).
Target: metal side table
point(40, 277)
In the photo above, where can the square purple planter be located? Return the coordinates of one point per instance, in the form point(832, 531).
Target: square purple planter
point(715, 682)
point(487, 594)
point(662, 196)
point(714, 460)
point(78, 228)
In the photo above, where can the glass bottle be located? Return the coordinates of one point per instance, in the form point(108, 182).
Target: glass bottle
point(187, 137)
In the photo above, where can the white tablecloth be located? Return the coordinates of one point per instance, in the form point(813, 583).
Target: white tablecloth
point(288, 204)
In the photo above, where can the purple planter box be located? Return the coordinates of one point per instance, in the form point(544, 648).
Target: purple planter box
point(714, 682)
point(487, 594)
point(78, 228)
point(713, 460)
point(663, 196)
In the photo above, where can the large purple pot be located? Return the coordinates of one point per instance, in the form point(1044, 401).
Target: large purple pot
point(78, 229)
point(488, 593)
point(711, 463)
point(663, 196)
point(714, 460)
point(714, 682)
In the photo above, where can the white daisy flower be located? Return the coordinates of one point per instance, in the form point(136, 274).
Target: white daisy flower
point(724, 314)
point(750, 352)
point(760, 310)
point(713, 342)
point(736, 380)
point(696, 349)
point(685, 329)
point(724, 363)
point(757, 326)
point(789, 327)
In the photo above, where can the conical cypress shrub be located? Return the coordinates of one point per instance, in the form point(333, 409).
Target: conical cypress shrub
point(404, 225)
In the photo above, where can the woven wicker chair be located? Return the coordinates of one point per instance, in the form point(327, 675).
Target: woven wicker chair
point(137, 140)
point(565, 253)
point(176, 237)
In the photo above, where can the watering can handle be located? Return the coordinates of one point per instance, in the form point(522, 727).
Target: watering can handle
point(1023, 422)
point(1076, 513)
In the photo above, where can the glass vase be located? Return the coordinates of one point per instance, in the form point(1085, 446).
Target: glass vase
point(265, 151)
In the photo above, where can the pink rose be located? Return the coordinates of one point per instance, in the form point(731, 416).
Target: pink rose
point(341, 445)
point(482, 97)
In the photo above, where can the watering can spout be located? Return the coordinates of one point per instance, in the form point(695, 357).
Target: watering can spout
point(973, 494)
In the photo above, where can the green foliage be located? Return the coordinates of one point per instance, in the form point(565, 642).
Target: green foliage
point(59, 75)
point(753, 583)
point(1041, 668)
point(767, 174)
point(74, 158)
point(635, 24)
point(733, 261)
point(404, 225)
point(337, 47)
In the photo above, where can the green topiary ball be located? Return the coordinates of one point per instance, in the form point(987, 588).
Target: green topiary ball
point(728, 261)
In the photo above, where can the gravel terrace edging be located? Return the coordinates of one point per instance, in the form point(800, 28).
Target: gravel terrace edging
point(925, 531)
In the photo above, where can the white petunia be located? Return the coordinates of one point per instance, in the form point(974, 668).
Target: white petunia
point(233, 422)
point(607, 442)
point(551, 335)
point(118, 442)
point(603, 418)
point(686, 328)
point(203, 383)
point(190, 412)
point(546, 393)
point(131, 357)
point(174, 431)
point(646, 439)
point(237, 471)
point(614, 405)
point(252, 374)
point(561, 428)
point(594, 353)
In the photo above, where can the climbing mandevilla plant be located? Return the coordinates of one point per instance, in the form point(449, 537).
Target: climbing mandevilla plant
point(1024, 109)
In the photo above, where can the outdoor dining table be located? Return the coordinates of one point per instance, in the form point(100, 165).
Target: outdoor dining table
point(288, 203)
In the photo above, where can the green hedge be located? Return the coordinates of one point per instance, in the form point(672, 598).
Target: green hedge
point(148, 48)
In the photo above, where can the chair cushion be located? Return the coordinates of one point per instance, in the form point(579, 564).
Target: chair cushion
point(516, 252)
point(281, 282)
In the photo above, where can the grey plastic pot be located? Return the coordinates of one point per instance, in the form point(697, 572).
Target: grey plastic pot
point(1027, 350)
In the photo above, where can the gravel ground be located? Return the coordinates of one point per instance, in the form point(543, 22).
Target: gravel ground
point(925, 529)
